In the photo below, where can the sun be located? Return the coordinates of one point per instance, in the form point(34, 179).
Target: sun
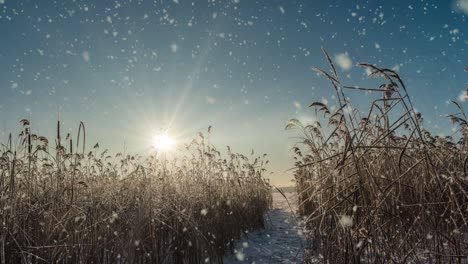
point(163, 142)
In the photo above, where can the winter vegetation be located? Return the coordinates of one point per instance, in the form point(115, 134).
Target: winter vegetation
point(375, 186)
point(371, 168)
point(62, 203)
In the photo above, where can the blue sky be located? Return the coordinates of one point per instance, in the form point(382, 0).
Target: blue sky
point(130, 68)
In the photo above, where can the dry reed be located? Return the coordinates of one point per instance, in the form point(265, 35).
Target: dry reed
point(379, 188)
point(62, 205)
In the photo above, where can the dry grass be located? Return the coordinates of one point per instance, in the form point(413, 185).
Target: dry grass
point(379, 188)
point(64, 205)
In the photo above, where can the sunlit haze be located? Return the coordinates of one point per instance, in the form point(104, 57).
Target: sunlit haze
point(163, 142)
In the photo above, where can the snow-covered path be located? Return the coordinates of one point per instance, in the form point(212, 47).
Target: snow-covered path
point(282, 240)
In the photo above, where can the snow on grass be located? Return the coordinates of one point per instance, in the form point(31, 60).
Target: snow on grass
point(282, 241)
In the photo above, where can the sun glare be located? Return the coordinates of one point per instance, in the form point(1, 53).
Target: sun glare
point(163, 142)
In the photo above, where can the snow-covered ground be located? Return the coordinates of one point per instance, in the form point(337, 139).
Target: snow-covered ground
point(282, 241)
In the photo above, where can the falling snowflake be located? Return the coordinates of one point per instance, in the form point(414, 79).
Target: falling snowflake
point(174, 47)
point(343, 61)
point(240, 256)
point(86, 56)
point(346, 221)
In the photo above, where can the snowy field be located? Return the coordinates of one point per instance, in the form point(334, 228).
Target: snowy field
point(282, 240)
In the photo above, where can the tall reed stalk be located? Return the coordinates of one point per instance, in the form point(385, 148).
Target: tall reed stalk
point(60, 205)
point(379, 187)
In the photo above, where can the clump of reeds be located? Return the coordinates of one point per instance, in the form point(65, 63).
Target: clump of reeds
point(63, 205)
point(378, 187)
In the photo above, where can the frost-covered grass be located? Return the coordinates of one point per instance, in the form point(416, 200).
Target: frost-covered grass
point(62, 204)
point(376, 186)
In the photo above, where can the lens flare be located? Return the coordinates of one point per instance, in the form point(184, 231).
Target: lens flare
point(163, 142)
